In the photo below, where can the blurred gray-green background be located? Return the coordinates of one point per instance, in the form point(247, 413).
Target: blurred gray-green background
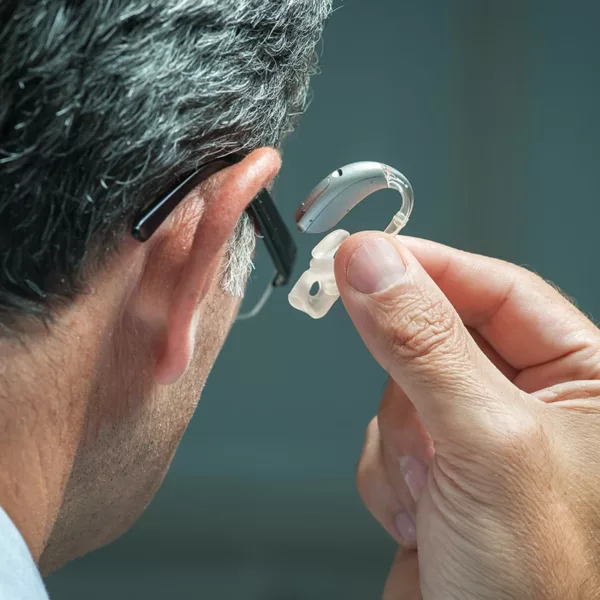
point(491, 110)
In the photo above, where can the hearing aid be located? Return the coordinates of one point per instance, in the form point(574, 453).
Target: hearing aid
point(329, 202)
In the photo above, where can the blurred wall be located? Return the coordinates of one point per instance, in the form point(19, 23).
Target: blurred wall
point(490, 109)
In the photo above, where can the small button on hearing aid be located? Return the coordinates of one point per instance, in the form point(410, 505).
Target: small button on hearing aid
point(327, 204)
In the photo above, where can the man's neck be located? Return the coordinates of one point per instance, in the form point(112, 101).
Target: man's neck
point(41, 413)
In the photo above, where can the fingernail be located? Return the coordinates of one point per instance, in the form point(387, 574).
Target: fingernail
point(406, 527)
point(375, 266)
point(415, 475)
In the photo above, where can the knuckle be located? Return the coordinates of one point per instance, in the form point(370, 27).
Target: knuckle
point(421, 329)
point(373, 429)
point(519, 441)
point(584, 365)
point(521, 275)
point(365, 474)
point(524, 273)
point(514, 458)
point(529, 278)
point(367, 470)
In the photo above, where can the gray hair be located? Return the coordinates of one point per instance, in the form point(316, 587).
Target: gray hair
point(239, 265)
point(105, 103)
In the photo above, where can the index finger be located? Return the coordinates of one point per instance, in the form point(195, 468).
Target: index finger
point(523, 318)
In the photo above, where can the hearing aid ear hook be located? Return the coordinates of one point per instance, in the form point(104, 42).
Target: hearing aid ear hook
point(326, 206)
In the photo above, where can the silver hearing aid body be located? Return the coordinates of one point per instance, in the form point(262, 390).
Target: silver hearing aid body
point(330, 201)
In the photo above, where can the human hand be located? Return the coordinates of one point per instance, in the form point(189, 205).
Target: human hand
point(484, 453)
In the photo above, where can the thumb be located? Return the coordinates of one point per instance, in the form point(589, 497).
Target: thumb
point(415, 334)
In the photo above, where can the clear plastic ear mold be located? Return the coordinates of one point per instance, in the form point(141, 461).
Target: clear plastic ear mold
point(330, 201)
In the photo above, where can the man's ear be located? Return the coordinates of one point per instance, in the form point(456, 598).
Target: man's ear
point(187, 254)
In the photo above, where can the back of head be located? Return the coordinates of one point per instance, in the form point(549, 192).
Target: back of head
point(104, 104)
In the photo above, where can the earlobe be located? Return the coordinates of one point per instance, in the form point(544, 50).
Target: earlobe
point(176, 354)
point(229, 193)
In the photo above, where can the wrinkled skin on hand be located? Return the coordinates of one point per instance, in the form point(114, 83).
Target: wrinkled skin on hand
point(483, 459)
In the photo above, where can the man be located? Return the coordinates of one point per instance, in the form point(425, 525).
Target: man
point(106, 343)
point(483, 453)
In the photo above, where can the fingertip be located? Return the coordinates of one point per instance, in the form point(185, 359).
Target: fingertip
point(352, 244)
point(346, 251)
point(379, 252)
